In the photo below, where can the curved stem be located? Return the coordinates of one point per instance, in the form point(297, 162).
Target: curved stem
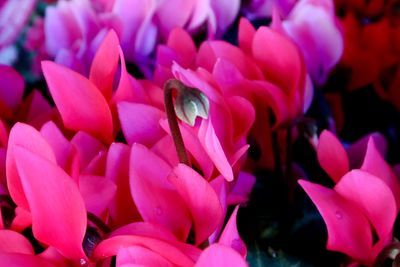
point(172, 120)
point(386, 253)
point(98, 222)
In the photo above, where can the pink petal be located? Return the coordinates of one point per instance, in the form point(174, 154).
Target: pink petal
point(140, 256)
point(246, 35)
point(63, 150)
point(145, 229)
point(356, 152)
point(282, 57)
point(11, 241)
point(194, 147)
point(230, 236)
point(101, 74)
point(349, 231)
point(171, 251)
point(11, 87)
point(13, 16)
point(58, 211)
point(25, 136)
point(87, 148)
point(81, 104)
point(218, 255)
point(124, 91)
point(370, 194)
point(156, 199)
point(211, 144)
point(18, 259)
point(165, 149)
point(97, 192)
point(243, 116)
point(181, 42)
point(207, 215)
point(331, 156)
point(122, 209)
point(22, 219)
point(140, 123)
point(375, 164)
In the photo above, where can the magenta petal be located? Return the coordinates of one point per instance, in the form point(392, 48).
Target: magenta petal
point(137, 255)
point(156, 199)
point(218, 255)
point(242, 189)
point(62, 148)
point(230, 236)
point(211, 144)
point(11, 87)
point(81, 104)
point(349, 231)
point(101, 74)
point(281, 57)
point(357, 150)
point(11, 241)
point(181, 42)
point(331, 156)
point(207, 215)
point(122, 209)
point(246, 34)
point(140, 123)
point(58, 211)
point(145, 229)
point(25, 136)
point(370, 194)
point(23, 260)
point(376, 165)
point(97, 192)
point(174, 252)
point(243, 114)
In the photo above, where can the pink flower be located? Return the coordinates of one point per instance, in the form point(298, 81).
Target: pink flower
point(352, 210)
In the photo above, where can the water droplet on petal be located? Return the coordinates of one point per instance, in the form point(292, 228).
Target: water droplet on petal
point(338, 215)
point(159, 211)
point(83, 262)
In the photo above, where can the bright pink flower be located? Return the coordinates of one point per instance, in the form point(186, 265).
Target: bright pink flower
point(353, 209)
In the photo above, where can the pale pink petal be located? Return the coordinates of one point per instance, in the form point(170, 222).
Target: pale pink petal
point(11, 241)
point(81, 104)
point(370, 194)
point(97, 192)
point(28, 137)
point(211, 144)
point(218, 255)
point(140, 123)
point(177, 253)
point(349, 231)
point(58, 211)
point(157, 201)
point(23, 260)
point(375, 164)
point(101, 74)
point(140, 256)
point(230, 236)
point(331, 156)
point(11, 87)
point(122, 209)
point(225, 12)
point(207, 215)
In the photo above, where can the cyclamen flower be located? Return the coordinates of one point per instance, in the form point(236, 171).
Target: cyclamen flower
point(74, 29)
point(363, 202)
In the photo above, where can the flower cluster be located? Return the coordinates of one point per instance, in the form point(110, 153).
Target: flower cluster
point(133, 133)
